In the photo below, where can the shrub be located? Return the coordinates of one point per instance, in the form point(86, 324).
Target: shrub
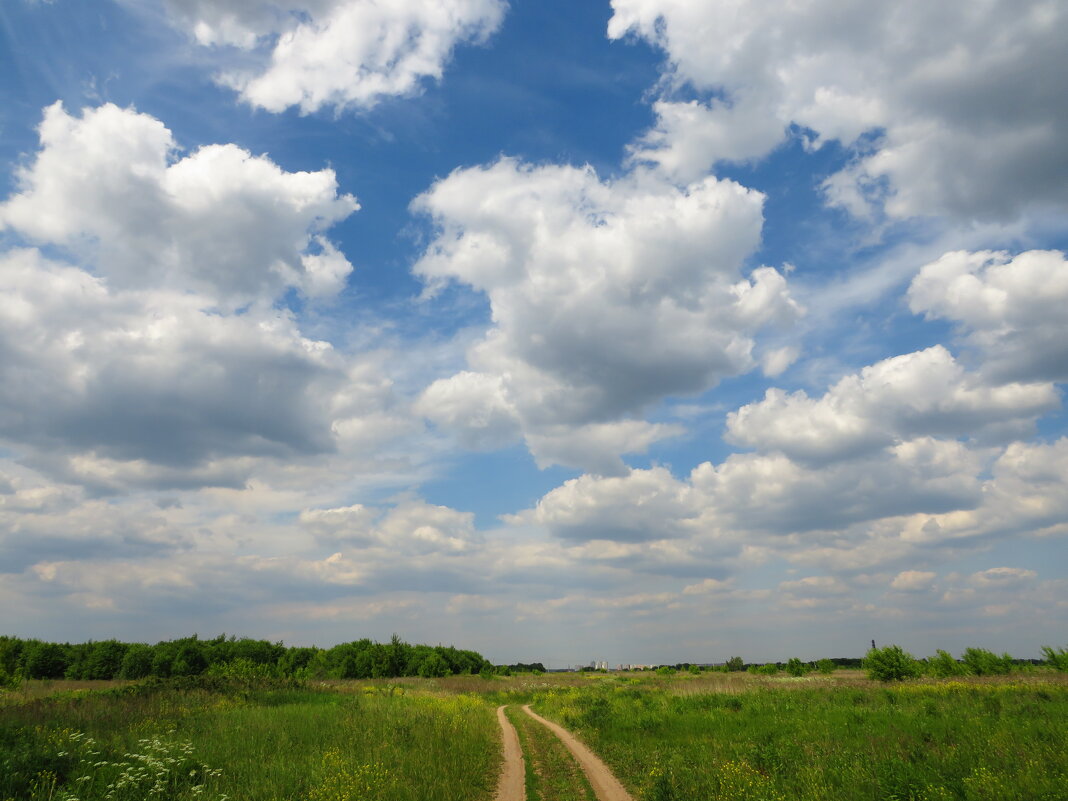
point(770, 669)
point(986, 663)
point(795, 667)
point(735, 663)
point(1057, 659)
point(944, 666)
point(826, 667)
point(10, 680)
point(665, 670)
point(890, 664)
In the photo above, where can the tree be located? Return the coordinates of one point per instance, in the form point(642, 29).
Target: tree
point(943, 665)
point(891, 664)
point(137, 662)
point(982, 662)
point(796, 668)
point(46, 660)
point(826, 666)
point(735, 664)
point(1057, 659)
point(434, 666)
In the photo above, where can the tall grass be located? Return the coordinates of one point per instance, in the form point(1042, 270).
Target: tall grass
point(319, 745)
point(919, 742)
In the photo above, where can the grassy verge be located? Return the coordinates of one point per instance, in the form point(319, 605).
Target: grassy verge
point(552, 773)
point(916, 742)
point(318, 745)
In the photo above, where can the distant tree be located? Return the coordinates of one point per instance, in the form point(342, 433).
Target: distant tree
point(136, 662)
point(826, 666)
point(190, 661)
point(46, 660)
point(891, 664)
point(982, 662)
point(105, 660)
point(1056, 658)
point(795, 667)
point(434, 666)
point(944, 666)
point(735, 664)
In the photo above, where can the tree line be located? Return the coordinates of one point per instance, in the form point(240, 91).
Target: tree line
point(192, 656)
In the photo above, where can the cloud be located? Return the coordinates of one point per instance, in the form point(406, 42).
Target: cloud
point(149, 375)
point(773, 494)
point(925, 393)
point(340, 53)
point(152, 355)
point(950, 108)
point(913, 581)
point(1008, 308)
point(643, 505)
point(1003, 577)
point(411, 526)
point(606, 297)
point(234, 227)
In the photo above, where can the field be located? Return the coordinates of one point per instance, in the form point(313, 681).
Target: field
point(709, 736)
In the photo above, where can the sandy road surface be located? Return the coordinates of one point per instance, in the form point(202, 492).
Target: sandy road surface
point(605, 786)
point(512, 786)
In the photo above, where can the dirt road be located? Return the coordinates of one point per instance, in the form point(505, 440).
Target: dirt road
point(512, 786)
point(605, 786)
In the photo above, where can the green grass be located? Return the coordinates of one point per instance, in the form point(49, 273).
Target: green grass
point(681, 738)
point(917, 742)
point(552, 772)
point(319, 745)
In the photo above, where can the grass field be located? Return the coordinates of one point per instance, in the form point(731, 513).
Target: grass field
point(713, 736)
point(325, 744)
point(825, 739)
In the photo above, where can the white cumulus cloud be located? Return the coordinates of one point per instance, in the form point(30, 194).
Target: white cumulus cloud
point(925, 393)
point(960, 100)
point(1010, 308)
point(109, 187)
point(340, 53)
point(606, 297)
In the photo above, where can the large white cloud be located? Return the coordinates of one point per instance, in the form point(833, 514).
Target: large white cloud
point(606, 297)
point(149, 375)
point(1010, 308)
point(962, 97)
point(341, 53)
point(109, 187)
point(643, 505)
point(153, 355)
point(916, 394)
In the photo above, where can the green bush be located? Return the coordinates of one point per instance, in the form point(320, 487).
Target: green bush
point(8, 680)
point(735, 663)
point(890, 664)
point(826, 667)
point(795, 667)
point(1057, 659)
point(981, 662)
point(944, 666)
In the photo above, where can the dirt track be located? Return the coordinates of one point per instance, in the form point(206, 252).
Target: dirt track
point(512, 786)
point(605, 786)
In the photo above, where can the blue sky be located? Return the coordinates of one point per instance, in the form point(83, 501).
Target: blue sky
point(638, 331)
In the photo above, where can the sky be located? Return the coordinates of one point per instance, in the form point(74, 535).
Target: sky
point(638, 331)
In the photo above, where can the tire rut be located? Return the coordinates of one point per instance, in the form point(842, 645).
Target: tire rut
point(605, 785)
point(512, 784)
